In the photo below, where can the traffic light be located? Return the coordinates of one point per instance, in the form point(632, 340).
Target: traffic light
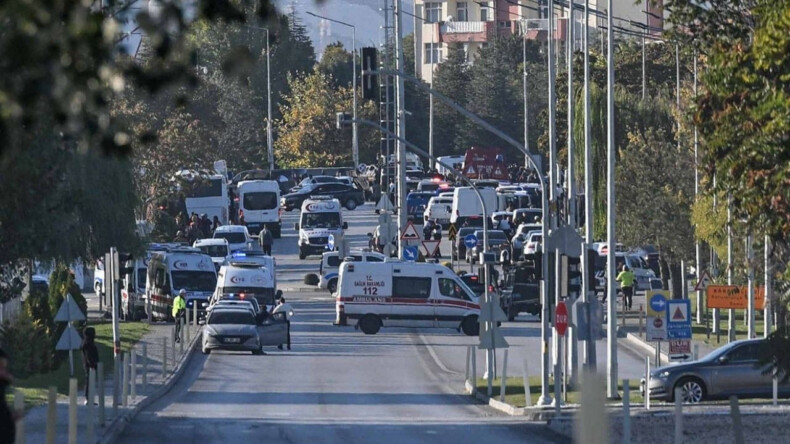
point(574, 276)
point(370, 82)
point(125, 264)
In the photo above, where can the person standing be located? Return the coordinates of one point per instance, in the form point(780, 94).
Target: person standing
point(284, 307)
point(626, 279)
point(215, 224)
point(266, 240)
point(90, 356)
point(179, 309)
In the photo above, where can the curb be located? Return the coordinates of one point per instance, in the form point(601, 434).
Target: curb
point(119, 424)
point(637, 342)
point(495, 404)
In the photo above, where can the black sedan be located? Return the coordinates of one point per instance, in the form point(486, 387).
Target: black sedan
point(348, 196)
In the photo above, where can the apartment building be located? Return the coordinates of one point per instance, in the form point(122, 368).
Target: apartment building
point(475, 23)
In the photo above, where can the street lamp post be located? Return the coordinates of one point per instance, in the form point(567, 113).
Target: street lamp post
point(354, 134)
point(269, 146)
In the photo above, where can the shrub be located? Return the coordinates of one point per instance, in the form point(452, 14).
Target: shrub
point(311, 279)
point(27, 345)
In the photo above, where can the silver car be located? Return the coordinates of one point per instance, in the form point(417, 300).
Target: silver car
point(730, 370)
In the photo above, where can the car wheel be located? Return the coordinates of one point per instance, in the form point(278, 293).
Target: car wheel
point(692, 390)
point(332, 286)
point(302, 255)
point(351, 204)
point(206, 351)
point(257, 351)
point(370, 324)
point(470, 327)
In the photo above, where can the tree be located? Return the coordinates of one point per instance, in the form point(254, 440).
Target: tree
point(308, 133)
point(451, 78)
point(337, 63)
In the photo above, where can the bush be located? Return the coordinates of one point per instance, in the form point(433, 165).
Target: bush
point(311, 279)
point(28, 346)
point(37, 307)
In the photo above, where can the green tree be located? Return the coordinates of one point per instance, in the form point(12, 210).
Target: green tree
point(451, 78)
point(337, 63)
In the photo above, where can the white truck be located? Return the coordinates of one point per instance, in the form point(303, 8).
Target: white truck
point(466, 204)
point(320, 218)
point(260, 201)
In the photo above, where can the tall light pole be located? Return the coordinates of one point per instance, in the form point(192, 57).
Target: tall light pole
point(611, 289)
point(354, 136)
point(571, 148)
point(400, 126)
point(697, 246)
point(269, 145)
point(590, 352)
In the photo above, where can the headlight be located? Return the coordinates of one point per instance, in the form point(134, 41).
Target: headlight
point(210, 331)
point(661, 375)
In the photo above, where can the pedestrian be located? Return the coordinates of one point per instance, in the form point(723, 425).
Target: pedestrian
point(241, 218)
point(8, 417)
point(626, 279)
point(284, 307)
point(427, 228)
point(205, 225)
point(216, 224)
point(266, 240)
point(180, 237)
point(193, 233)
point(179, 309)
point(90, 356)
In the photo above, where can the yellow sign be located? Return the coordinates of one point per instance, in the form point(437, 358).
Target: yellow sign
point(452, 232)
point(734, 297)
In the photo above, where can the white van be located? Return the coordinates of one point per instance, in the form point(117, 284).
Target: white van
point(260, 201)
point(216, 247)
point(439, 209)
point(133, 289)
point(451, 161)
point(243, 280)
point(170, 271)
point(466, 204)
point(237, 235)
point(266, 262)
point(320, 218)
point(404, 294)
point(330, 266)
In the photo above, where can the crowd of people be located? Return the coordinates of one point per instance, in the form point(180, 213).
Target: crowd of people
point(196, 227)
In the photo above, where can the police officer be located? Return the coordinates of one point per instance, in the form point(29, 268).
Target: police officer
point(179, 309)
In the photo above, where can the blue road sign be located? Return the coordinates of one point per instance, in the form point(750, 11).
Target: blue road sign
point(330, 243)
point(658, 302)
point(410, 253)
point(679, 319)
point(470, 241)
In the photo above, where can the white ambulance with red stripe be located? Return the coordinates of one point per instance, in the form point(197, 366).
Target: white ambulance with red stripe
point(179, 268)
point(372, 295)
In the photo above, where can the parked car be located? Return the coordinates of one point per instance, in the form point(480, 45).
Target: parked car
point(460, 247)
point(733, 369)
point(497, 241)
point(315, 180)
point(532, 242)
point(521, 291)
point(348, 196)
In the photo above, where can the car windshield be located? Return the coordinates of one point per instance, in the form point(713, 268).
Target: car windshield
point(264, 295)
point(214, 250)
point(232, 317)
point(321, 220)
point(262, 200)
point(194, 280)
point(141, 275)
point(233, 238)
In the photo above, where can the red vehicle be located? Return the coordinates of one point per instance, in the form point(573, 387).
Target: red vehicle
point(485, 163)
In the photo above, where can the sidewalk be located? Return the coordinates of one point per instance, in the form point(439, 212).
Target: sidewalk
point(35, 422)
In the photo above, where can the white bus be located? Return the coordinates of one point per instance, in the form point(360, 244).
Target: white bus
point(208, 193)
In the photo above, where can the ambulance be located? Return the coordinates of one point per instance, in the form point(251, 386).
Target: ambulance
point(372, 295)
point(321, 217)
point(260, 201)
point(245, 280)
point(175, 269)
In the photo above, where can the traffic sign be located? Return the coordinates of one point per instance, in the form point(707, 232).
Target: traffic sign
point(679, 319)
point(69, 311)
point(384, 204)
point(410, 233)
point(733, 297)
point(69, 340)
point(561, 318)
point(452, 232)
point(470, 241)
point(704, 280)
point(679, 349)
point(431, 247)
point(410, 253)
point(362, 167)
point(330, 243)
point(656, 315)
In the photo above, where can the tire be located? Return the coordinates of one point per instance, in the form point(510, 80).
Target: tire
point(370, 324)
point(311, 279)
point(351, 204)
point(257, 352)
point(511, 315)
point(302, 255)
point(693, 390)
point(470, 327)
point(206, 351)
point(332, 286)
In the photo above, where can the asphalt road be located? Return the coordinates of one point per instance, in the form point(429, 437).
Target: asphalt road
point(339, 385)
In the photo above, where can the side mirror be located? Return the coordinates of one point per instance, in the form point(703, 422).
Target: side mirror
point(724, 359)
point(201, 322)
point(279, 294)
point(296, 227)
point(370, 234)
point(345, 225)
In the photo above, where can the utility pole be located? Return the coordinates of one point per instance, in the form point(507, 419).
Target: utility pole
point(701, 305)
point(590, 352)
point(400, 126)
point(269, 145)
point(571, 179)
point(714, 265)
point(731, 313)
point(430, 97)
point(611, 329)
point(526, 95)
point(552, 128)
point(750, 285)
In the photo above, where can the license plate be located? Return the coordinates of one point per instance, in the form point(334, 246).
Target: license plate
point(232, 340)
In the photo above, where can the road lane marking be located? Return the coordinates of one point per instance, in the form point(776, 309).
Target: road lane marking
point(435, 357)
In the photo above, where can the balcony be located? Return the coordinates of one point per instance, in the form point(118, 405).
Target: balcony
point(450, 32)
point(537, 29)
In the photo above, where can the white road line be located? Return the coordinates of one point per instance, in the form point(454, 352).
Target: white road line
point(435, 357)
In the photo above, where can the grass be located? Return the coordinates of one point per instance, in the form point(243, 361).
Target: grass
point(36, 387)
point(698, 331)
point(514, 392)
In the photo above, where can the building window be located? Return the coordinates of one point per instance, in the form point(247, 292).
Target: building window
point(486, 12)
point(433, 12)
point(461, 12)
point(504, 24)
point(433, 53)
point(543, 5)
